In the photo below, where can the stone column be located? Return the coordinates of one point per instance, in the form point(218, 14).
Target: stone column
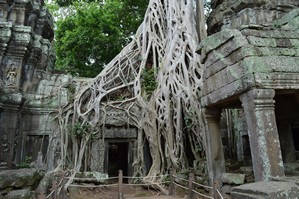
point(98, 155)
point(215, 155)
point(5, 34)
point(258, 105)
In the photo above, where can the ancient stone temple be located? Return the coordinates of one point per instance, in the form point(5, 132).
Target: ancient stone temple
point(29, 90)
point(251, 61)
point(32, 94)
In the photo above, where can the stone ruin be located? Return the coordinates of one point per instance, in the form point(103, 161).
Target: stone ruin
point(31, 93)
point(29, 89)
point(251, 64)
point(251, 61)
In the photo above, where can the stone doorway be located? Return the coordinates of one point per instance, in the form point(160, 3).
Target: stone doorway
point(118, 158)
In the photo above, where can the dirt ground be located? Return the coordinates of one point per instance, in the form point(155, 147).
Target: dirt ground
point(112, 193)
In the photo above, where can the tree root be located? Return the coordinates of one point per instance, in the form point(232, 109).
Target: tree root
point(166, 116)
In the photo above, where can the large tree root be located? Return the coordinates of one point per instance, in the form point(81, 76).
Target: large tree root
point(169, 115)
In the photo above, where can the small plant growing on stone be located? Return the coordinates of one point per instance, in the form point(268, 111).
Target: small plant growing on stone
point(25, 163)
point(71, 89)
point(149, 83)
point(80, 130)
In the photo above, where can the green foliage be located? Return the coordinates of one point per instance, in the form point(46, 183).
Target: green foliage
point(71, 89)
point(198, 148)
point(80, 130)
point(188, 120)
point(25, 163)
point(207, 8)
point(91, 33)
point(149, 83)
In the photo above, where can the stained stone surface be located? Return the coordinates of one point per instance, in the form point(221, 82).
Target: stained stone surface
point(19, 194)
point(266, 190)
point(19, 178)
point(234, 14)
point(233, 178)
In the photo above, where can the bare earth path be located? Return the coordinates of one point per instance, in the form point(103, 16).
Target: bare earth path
point(112, 193)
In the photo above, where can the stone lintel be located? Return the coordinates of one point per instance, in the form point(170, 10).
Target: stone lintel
point(258, 105)
point(119, 132)
point(228, 92)
point(282, 80)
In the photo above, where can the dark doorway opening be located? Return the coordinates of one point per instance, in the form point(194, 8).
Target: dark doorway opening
point(188, 151)
point(295, 132)
point(148, 161)
point(34, 144)
point(118, 159)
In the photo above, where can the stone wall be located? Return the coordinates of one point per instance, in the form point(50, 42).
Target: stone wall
point(237, 13)
point(29, 92)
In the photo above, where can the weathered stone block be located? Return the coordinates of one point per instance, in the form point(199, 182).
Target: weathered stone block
point(292, 168)
point(19, 178)
point(233, 178)
point(19, 194)
point(266, 190)
point(227, 49)
point(247, 170)
point(234, 72)
point(258, 41)
point(269, 33)
point(284, 43)
point(289, 21)
point(216, 40)
point(226, 189)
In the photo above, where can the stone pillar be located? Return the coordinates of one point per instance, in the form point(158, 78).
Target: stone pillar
point(258, 105)
point(215, 155)
point(10, 134)
point(97, 161)
point(16, 55)
point(5, 34)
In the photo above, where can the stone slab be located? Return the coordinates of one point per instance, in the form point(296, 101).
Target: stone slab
point(19, 194)
point(266, 190)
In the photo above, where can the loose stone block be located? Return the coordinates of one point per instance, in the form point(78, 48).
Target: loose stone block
point(19, 178)
point(266, 190)
point(233, 178)
point(19, 194)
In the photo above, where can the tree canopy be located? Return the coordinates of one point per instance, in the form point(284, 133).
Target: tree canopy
point(92, 33)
